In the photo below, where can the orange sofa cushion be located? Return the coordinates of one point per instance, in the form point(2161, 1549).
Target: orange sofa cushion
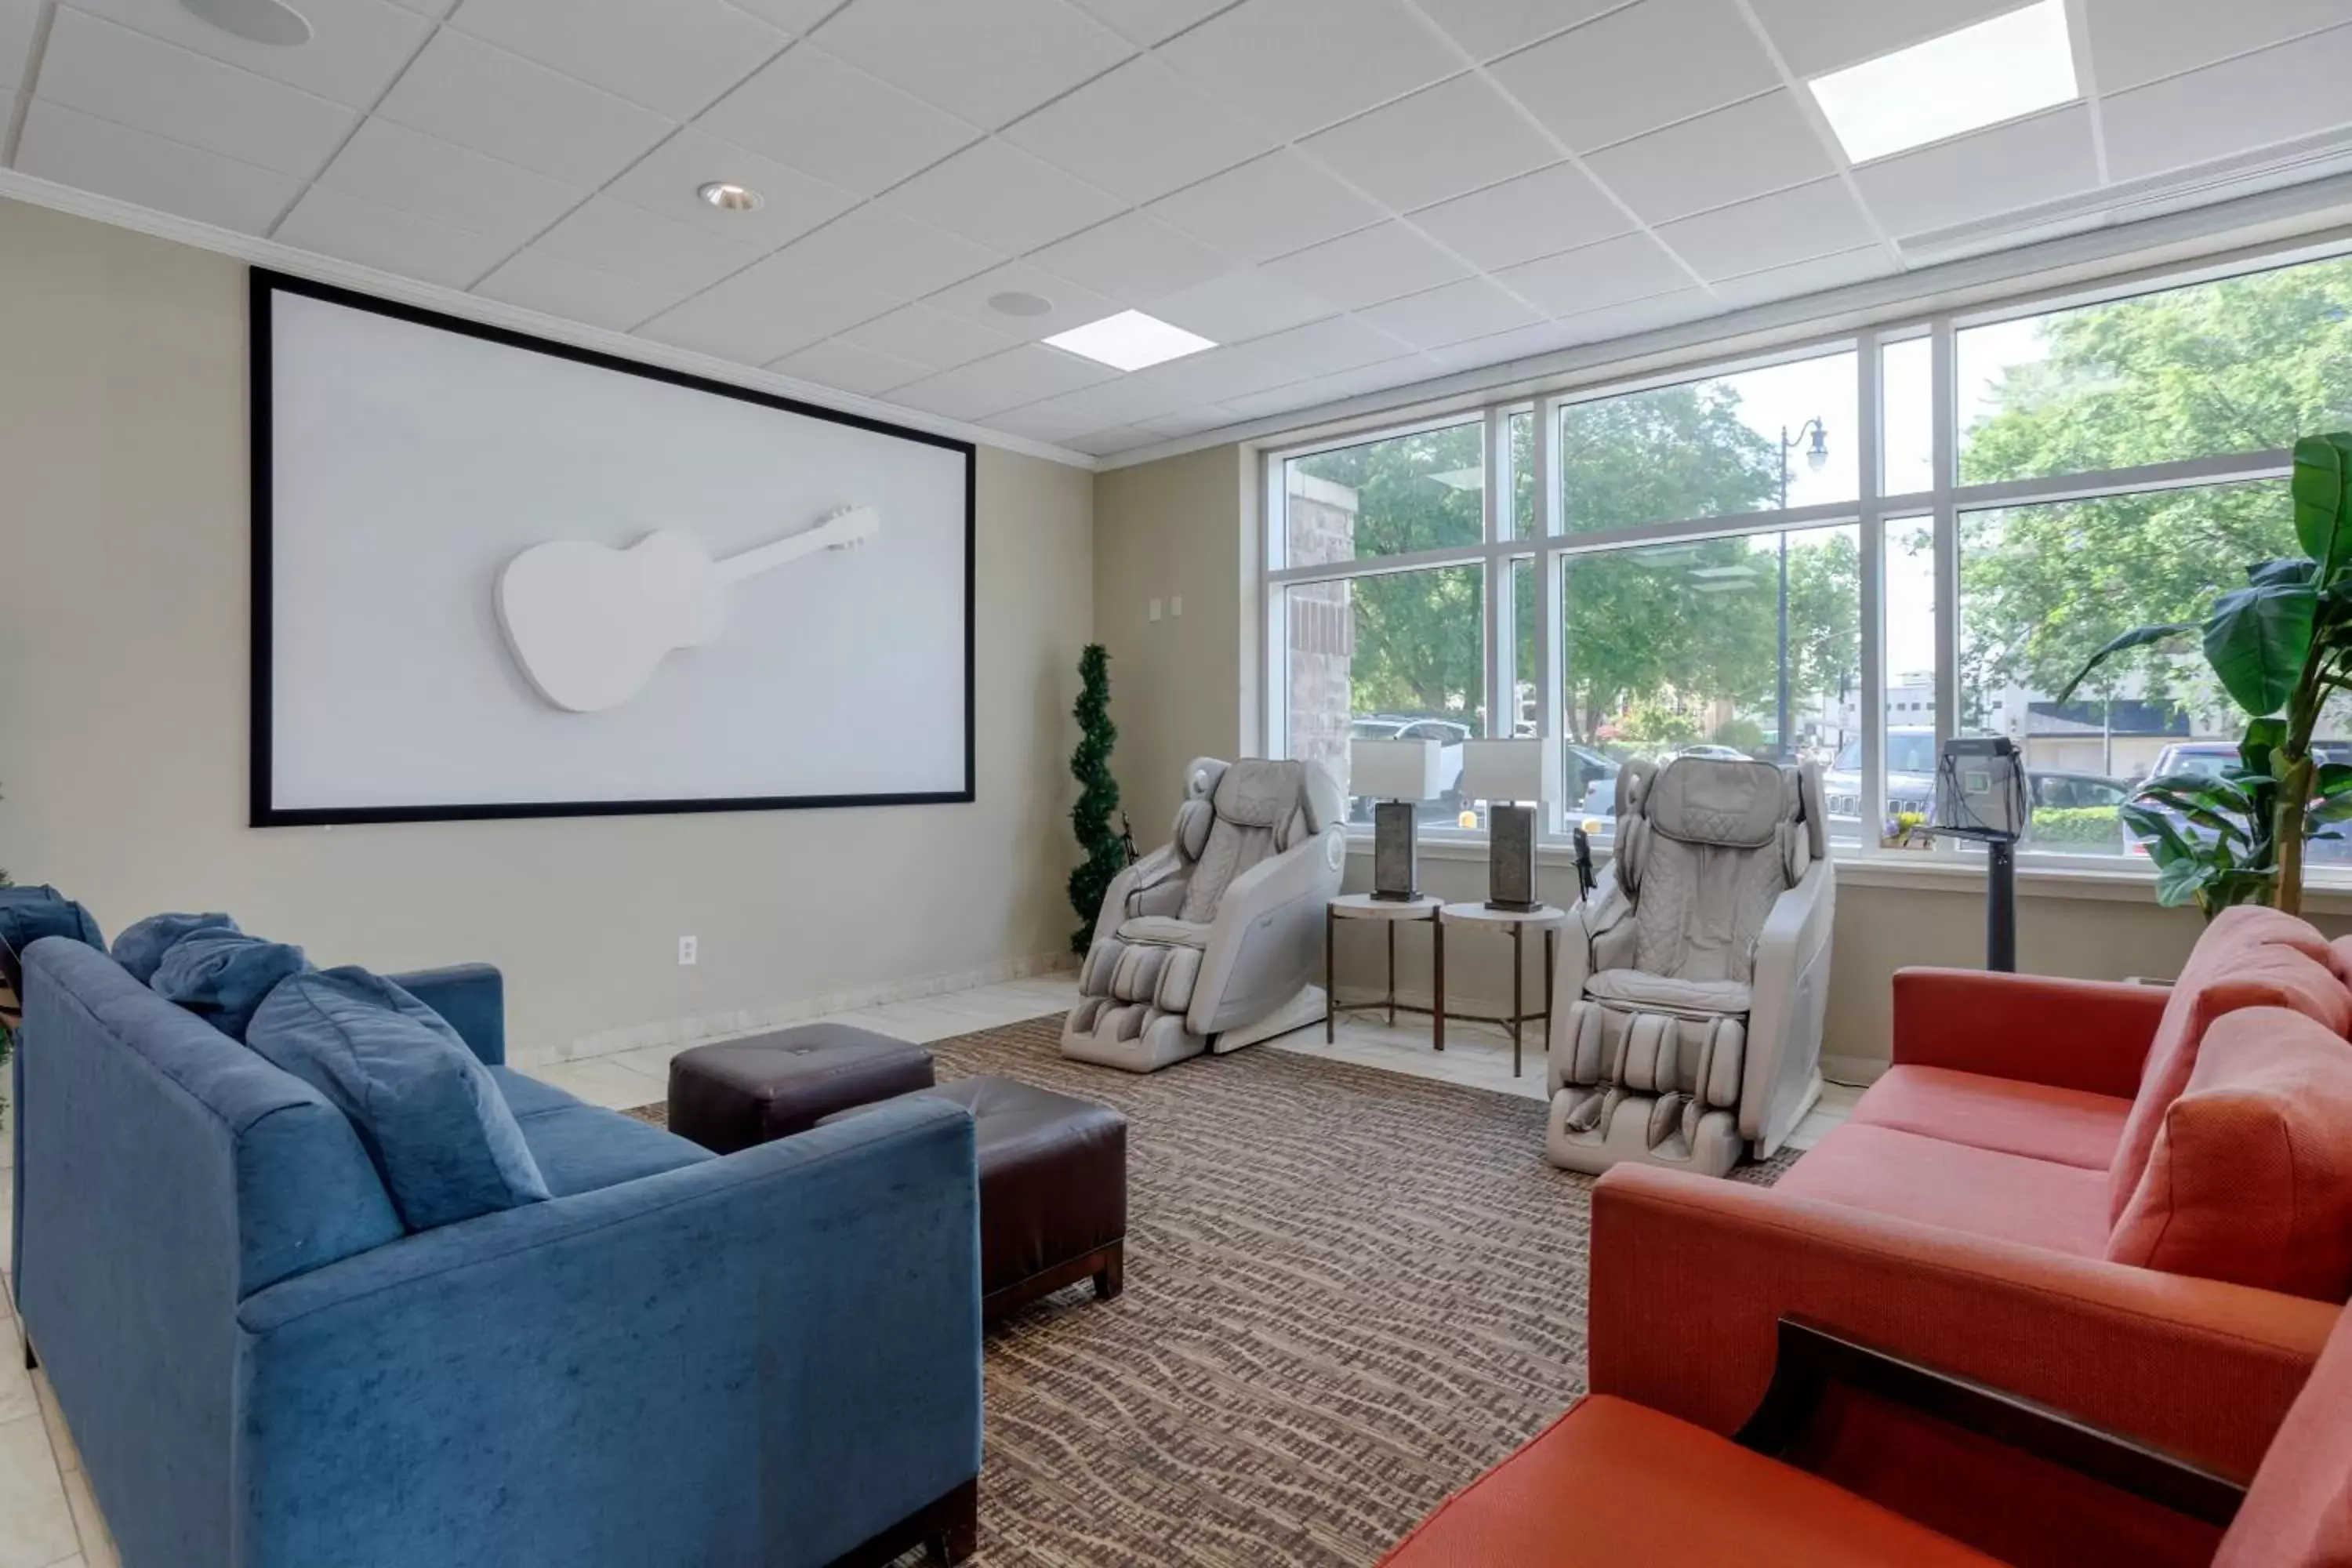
point(2038, 1203)
point(2250, 1180)
point(2298, 1512)
point(2249, 957)
point(2066, 1126)
point(1616, 1485)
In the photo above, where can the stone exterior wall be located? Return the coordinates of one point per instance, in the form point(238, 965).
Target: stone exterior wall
point(1320, 622)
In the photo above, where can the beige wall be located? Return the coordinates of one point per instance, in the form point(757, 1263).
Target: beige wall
point(1158, 524)
point(123, 703)
point(1179, 686)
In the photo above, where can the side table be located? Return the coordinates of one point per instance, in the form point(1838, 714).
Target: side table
point(1516, 922)
point(1392, 912)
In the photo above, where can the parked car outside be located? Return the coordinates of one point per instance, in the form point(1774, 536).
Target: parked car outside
point(1449, 737)
point(1911, 788)
point(1600, 797)
point(2213, 758)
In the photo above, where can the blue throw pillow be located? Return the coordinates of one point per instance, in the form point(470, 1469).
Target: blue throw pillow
point(140, 947)
point(28, 914)
point(222, 976)
point(429, 1113)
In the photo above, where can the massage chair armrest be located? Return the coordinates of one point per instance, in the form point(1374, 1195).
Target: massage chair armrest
point(2088, 1034)
point(1590, 920)
point(1153, 885)
point(1691, 1277)
point(1287, 891)
point(1788, 984)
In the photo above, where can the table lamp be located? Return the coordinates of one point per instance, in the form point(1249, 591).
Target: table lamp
point(1403, 771)
point(1505, 774)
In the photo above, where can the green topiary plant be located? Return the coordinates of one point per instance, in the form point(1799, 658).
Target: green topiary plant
point(1093, 818)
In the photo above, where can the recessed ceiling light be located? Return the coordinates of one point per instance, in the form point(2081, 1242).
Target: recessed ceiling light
point(1016, 303)
point(728, 196)
point(1130, 341)
point(255, 21)
point(1979, 76)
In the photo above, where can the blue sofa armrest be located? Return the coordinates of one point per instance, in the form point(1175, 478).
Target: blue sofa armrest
point(472, 997)
point(764, 1359)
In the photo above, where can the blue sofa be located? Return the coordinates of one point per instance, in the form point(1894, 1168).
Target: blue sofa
point(771, 1358)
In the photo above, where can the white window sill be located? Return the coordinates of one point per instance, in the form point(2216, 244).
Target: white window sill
point(2082, 879)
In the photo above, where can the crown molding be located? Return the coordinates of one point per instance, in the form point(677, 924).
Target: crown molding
point(2315, 213)
point(451, 302)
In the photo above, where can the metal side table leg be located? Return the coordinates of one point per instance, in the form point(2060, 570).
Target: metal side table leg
point(1518, 992)
point(1331, 987)
point(1437, 966)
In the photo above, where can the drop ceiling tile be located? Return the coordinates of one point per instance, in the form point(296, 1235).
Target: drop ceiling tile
point(1368, 266)
point(674, 58)
point(1326, 348)
point(668, 180)
point(1503, 348)
point(1474, 308)
point(1213, 375)
point(931, 338)
point(1188, 421)
point(395, 242)
point(1491, 27)
point(1278, 204)
point(356, 47)
point(1383, 377)
point(2134, 42)
point(422, 175)
point(1639, 68)
point(614, 237)
point(1242, 305)
point(1632, 315)
point(539, 279)
point(896, 254)
point(93, 155)
point(1067, 304)
point(2257, 100)
point(999, 196)
point(1134, 258)
point(829, 119)
point(148, 85)
point(848, 368)
point(1748, 150)
point(1540, 214)
point(1794, 225)
point(1111, 442)
point(989, 64)
point(1140, 132)
point(792, 15)
point(1968, 178)
point(1460, 135)
point(17, 20)
point(1819, 36)
point(1267, 404)
point(1632, 267)
point(7, 106)
point(765, 311)
point(480, 96)
point(1022, 375)
point(1148, 22)
point(1809, 277)
point(1295, 66)
point(426, 7)
point(1122, 400)
point(1053, 420)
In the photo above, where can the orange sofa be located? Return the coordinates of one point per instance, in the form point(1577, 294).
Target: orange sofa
point(1988, 1210)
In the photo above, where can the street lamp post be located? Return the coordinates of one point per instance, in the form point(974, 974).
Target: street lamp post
point(1816, 455)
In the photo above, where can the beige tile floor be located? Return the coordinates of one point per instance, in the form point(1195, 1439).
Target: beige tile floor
point(47, 1519)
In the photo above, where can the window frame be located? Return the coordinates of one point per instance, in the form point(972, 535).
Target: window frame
point(1941, 506)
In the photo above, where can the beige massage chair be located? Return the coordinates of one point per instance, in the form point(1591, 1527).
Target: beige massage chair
point(1213, 943)
point(1693, 981)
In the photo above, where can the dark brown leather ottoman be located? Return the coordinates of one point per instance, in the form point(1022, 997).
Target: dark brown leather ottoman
point(739, 1093)
point(1052, 1191)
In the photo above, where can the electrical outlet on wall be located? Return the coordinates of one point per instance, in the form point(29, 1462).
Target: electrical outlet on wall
point(1175, 606)
point(1155, 609)
point(689, 950)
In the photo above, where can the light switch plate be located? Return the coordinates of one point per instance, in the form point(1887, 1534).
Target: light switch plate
point(1155, 609)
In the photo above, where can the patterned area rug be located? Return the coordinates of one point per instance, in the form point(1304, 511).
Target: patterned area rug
point(1348, 1293)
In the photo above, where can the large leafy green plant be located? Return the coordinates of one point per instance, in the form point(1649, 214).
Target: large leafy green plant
point(2281, 646)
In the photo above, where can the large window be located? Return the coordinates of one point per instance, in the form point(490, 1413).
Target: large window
point(1794, 560)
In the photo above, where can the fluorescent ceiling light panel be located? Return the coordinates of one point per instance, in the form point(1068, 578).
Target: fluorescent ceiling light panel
point(1130, 341)
point(2010, 66)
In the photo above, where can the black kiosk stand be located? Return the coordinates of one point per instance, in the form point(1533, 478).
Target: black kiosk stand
point(1981, 795)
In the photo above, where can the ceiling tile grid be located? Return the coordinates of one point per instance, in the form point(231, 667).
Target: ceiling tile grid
point(1345, 195)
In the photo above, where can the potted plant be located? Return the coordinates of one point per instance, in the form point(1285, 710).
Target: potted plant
point(2281, 646)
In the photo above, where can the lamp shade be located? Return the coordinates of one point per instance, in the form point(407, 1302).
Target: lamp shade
point(1510, 770)
point(1394, 770)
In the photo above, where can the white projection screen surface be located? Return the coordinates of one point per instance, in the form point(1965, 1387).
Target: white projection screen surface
point(411, 664)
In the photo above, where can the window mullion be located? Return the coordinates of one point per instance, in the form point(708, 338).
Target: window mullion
point(1871, 617)
point(1943, 360)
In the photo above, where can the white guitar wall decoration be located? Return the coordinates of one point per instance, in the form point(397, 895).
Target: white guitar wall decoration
point(588, 623)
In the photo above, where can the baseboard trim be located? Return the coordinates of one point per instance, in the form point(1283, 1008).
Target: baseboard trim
point(1854, 1072)
point(798, 1010)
